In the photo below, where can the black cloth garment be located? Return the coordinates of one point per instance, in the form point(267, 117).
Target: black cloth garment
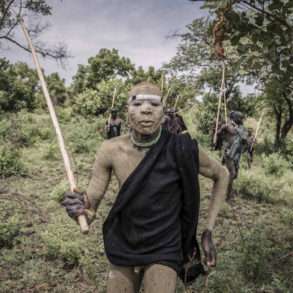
point(155, 215)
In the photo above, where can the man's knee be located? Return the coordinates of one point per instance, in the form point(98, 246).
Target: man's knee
point(122, 279)
point(159, 278)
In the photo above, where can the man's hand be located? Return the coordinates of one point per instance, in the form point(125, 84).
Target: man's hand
point(74, 203)
point(208, 248)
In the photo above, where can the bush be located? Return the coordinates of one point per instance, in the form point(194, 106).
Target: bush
point(88, 103)
point(57, 193)
point(58, 247)
point(263, 188)
point(8, 232)
point(275, 164)
point(254, 186)
point(24, 129)
point(52, 152)
point(257, 250)
point(10, 163)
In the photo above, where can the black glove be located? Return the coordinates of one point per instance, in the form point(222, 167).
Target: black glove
point(74, 203)
point(208, 248)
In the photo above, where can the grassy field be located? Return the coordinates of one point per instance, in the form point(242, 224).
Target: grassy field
point(42, 250)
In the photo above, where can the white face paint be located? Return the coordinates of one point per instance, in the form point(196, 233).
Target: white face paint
point(145, 115)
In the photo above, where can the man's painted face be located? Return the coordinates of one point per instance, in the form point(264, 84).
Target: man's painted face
point(145, 116)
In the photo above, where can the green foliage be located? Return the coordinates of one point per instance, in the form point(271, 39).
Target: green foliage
point(57, 193)
point(18, 84)
point(106, 65)
point(96, 102)
point(52, 152)
point(8, 232)
point(87, 102)
point(57, 89)
point(257, 250)
point(24, 129)
point(287, 216)
point(10, 163)
point(254, 184)
point(83, 138)
point(151, 74)
point(59, 247)
point(275, 164)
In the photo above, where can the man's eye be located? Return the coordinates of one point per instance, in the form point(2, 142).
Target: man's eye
point(136, 103)
point(155, 104)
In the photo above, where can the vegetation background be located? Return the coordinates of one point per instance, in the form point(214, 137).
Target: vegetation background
point(42, 250)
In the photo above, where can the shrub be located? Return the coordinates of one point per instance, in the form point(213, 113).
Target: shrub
point(52, 152)
point(254, 186)
point(58, 247)
point(263, 188)
point(257, 250)
point(10, 163)
point(87, 103)
point(8, 232)
point(58, 191)
point(274, 164)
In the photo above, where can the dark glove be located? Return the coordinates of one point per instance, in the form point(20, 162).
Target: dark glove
point(208, 248)
point(74, 203)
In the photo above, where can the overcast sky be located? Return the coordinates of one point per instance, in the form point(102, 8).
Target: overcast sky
point(137, 28)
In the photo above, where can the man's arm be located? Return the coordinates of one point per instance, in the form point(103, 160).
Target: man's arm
point(100, 176)
point(212, 169)
point(80, 203)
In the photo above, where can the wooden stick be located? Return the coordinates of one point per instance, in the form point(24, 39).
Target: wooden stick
point(222, 95)
point(81, 219)
point(257, 130)
point(176, 101)
point(112, 105)
point(166, 97)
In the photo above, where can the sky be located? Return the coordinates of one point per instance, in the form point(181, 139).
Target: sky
point(137, 28)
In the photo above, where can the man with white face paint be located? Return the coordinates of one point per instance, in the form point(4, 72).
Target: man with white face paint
point(150, 232)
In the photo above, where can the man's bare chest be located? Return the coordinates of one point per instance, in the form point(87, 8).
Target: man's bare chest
point(125, 161)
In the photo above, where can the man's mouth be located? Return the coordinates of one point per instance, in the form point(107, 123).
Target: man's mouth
point(146, 123)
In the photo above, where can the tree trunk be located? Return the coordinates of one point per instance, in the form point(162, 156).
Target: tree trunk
point(277, 142)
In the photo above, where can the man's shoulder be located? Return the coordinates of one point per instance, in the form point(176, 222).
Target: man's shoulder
point(114, 144)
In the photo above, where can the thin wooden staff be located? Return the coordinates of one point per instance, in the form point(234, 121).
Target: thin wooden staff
point(176, 101)
point(166, 97)
point(222, 95)
point(81, 219)
point(162, 83)
point(112, 105)
point(257, 130)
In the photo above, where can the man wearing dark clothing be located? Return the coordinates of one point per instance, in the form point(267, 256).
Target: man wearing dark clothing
point(113, 125)
point(234, 139)
point(151, 228)
point(173, 122)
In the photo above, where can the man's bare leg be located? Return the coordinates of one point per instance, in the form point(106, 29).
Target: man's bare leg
point(159, 278)
point(123, 280)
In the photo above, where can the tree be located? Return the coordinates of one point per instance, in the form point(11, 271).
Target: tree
point(106, 65)
point(11, 12)
point(151, 75)
point(57, 88)
point(18, 87)
point(98, 101)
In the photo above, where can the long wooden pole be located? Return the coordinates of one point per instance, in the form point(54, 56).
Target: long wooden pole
point(81, 219)
point(222, 95)
point(176, 101)
point(257, 130)
point(112, 105)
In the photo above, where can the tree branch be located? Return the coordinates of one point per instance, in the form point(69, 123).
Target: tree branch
point(5, 12)
point(269, 15)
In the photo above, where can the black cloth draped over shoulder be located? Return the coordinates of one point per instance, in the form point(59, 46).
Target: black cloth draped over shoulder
point(155, 215)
